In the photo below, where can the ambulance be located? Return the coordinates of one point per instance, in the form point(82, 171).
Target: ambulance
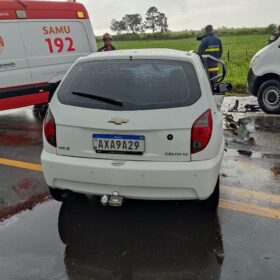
point(39, 41)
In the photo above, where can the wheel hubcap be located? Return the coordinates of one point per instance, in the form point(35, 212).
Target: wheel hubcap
point(271, 98)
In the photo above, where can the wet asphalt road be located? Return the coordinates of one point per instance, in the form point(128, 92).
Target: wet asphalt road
point(44, 239)
point(138, 241)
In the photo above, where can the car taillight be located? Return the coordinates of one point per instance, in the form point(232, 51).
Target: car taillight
point(49, 128)
point(201, 132)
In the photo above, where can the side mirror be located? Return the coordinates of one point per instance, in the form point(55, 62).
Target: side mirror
point(221, 89)
point(219, 78)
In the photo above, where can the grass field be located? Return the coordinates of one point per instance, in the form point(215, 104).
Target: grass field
point(240, 48)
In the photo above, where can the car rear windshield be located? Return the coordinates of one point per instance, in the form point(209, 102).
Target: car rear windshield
point(126, 85)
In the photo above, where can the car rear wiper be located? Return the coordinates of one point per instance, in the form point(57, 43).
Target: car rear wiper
point(99, 98)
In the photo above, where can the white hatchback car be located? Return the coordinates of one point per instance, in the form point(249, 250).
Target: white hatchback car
point(140, 124)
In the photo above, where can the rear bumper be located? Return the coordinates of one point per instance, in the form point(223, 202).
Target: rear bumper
point(133, 179)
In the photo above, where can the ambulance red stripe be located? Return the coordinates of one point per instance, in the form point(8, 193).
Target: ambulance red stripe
point(24, 95)
point(26, 100)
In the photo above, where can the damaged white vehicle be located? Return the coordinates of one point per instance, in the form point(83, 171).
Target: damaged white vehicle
point(138, 124)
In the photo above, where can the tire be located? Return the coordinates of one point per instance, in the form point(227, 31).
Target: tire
point(40, 110)
point(269, 96)
point(70, 216)
point(213, 201)
point(57, 194)
point(65, 195)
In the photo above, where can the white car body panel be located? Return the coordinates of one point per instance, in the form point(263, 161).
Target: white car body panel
point(44, 66)
point(133, 179)
point(157, 174)
point(13, 54)
point(267, 60)
point(25, 46)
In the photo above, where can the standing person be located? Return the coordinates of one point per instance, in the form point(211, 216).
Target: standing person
point(212, 45)
point(274, 37)
point(107, 39)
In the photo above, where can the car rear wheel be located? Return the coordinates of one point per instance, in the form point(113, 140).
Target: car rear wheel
point(269, 96)
point(213, 201)
point(65, 195)
point(39, 111)
point(57, 194)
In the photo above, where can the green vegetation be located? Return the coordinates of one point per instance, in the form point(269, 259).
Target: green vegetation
point(241, 48)
point(191, 34)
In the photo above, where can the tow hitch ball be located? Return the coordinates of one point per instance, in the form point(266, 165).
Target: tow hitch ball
point(113, 200)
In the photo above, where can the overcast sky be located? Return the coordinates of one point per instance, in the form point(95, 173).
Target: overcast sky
point(188, 14)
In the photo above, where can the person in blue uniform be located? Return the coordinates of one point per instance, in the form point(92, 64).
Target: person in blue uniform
point(211, 45)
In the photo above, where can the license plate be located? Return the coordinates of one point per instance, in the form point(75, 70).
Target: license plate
point(110, 143)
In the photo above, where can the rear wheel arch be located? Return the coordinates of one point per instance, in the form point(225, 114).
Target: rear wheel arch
point(262, 79)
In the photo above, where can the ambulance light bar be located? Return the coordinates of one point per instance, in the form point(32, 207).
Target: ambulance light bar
point(80, 14)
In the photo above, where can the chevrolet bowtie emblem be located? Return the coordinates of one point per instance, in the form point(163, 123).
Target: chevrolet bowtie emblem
point(118, 120)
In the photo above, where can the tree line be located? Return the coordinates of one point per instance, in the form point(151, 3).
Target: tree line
point(134, 23)
point(177, 35)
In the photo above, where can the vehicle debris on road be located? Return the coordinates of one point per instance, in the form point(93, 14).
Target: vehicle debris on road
point(252, 108)
point(235, 106)
point(241, 129)
point(246, 109)
point(245, 153)
point(276, 171)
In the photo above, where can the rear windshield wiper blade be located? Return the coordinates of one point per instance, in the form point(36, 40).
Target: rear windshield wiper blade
point(99, 98)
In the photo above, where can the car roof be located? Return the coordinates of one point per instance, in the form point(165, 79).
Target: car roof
point(139, 54)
